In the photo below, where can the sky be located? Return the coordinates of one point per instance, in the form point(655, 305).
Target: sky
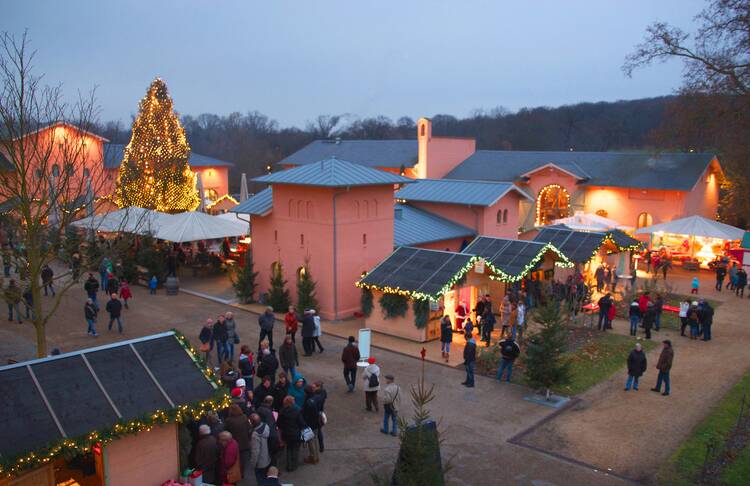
point(295, 60)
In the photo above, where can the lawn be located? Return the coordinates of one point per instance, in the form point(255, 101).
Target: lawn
point(685, 465)
point(669, 320)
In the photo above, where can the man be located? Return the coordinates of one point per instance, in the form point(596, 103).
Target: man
point(478, 313)
point(12, 297)
point(288, 356)
point(221, 336)
point(470, 357)
point(266, 322)
point(488, 320)
point(664, 365)
point(47, 276)
point(265, 411)
point(271, 479)
point(350, 357)
point(114, 308)
point(262, 391)
point(649, 318)
point(707, 319)
point(605, 303)
point(268, 364)
point(90, 311)
point(665, 266)
point(91, 286)
point(260, 458)
point(206, 453)
point(237, 424)
point(599, 276)
point(308, 331)
point(509, 351)
point(636, 367)
point(634, 312)
point(643, 301)
point(391, 402)
point(721, 273)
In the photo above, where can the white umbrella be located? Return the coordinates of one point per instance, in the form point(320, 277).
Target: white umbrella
point(194, 226)
point(128, 220)
point(696, 226)
point(243, 188)
point(589, 222)
point(201, 194)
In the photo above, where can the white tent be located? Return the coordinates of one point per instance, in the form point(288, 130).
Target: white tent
point(695, 226)
point(128, 220)
point(589, 222)
point(194, 225)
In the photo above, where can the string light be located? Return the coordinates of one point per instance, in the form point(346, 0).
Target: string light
point(562, 262)
point(225, 197)
point(154, 172)
point(542, 194)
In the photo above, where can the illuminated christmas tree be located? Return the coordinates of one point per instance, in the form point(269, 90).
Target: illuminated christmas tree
point(154, 173)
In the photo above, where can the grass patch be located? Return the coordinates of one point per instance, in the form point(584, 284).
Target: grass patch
point(685, 465)
point(669, 320)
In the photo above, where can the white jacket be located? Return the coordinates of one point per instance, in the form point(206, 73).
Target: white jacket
point(316, 332)
point(372, 369)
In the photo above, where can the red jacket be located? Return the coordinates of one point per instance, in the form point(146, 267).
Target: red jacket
point(291, 322)
point(229, 455)
point(125, 291)
point(643, 303)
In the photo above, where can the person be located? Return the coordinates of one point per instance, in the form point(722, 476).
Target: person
point(658, 309)
point(461, 312)
point(260, 457)
point(648, 319)
point(478, 313)
point(707, 319)
point(288, 356)
point(236, 423)
point(666, 264)
point(633, 277)
point(739, 288)
point(317, 331)
point(636, 367)
point(47, 277)
point(152, 284)
point(291, 323)
point(509, 351)
point(113, 286)
point(732, 276)
point(322, 394)
point(488, 321)
point(372, 384)
point(244, 398)
point(311, 414)
point(520, 319)
point(104, 268)
point(664, 366)
point(89, 312)
point(605, 303)
point(91, 286)
point(246, 365)
point(6, 261)
point(470, 357)
point(643, 301)
point(694, 320)
point(125, 293)
point(308, 331)
point(220, 338)
point(721, 273)
point(114, 308)
point(608, 278)
point(232, 336)
point(263, 390)
point(280, 391)
point(505, 315)
point(446, 337)
point(391, 403)
point(229, 459)
point(695, 284)
point(75, 265)
point(634, 313)
point(350, 357)
point(272, 478)
point(291, 423)
point(206, 338)
point(268, 364)
point(683, 314)
point(599, 276)
point(28, 302)
point(297, 390)
point(266, 322)
point(266, 413)
point(206, 453)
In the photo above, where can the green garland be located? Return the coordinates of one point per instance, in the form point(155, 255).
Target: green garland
point(365, 301)
point(393, 305)
point(421, 310)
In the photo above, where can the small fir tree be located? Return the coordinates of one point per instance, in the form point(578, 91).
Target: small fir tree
point(278, 295)
point(306, 291)
point(545, 365)
point(244, 280)
point(365, 300)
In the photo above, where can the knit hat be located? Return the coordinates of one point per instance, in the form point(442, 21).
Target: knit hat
point(204, 430)
point(240, 383)
point(236, 392)
point(371, 360)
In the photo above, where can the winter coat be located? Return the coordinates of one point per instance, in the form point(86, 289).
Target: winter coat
point(220, 332)
point(240, 429)
point(231, 329)
point(649, 318)
point(470, 352)
point(266, 415)
point(684, 307)
point(509, 350)
point(91, 286)
point(372, 369)
point(298, 393)
point(311, 411)
point(279, 392)
point(308, 326)
point(259, 456)
point(707, 314)
point(90, 311)
point(153, 283)
point(268, 365)
point(643, 303)
point(246, 365)
point(392, 396)
point(229, 455)
point(316, 329)
point(479, 308)
point(665, 359)
point(604, 304)
point(741, 278)
point(290, 423)
point(125, 292)
point(47, 275)
point(260, 393)
point(636, 363)
point(350, 356)
point(266, 321)
point(288, 356)
point(12, 295)
point(114, 307)
point(634, 310)
point(446, 331)
point(207, 336)
point(291, 322)
point(207, 453)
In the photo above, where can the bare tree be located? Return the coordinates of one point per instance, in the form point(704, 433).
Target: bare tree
point(51, 171)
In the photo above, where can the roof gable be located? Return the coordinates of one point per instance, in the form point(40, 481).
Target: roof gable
point(580, 246)
point(333, 172)
point(512, 260)
point(370, 153)
point(473, 193)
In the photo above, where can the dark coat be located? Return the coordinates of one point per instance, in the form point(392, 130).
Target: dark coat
point(207, 453)
point(470, 352)
point(260, 393)
point(509, 350)
point(288, 356)
point(311, 411)
point(279, 392)
point(291, 423)
point(649, 318)
point(308, 326)
point(665, 359)
point(266, 415)
point(634, 311)
point(114, 307)
point(266, 321)
point(91, 286)
point(268, 366)
point(220, 332)
point(240, 429)
point(350, 356)
point(636, 363)
point(446, 332)
point(90, 311)
point(47, 275)
point(206, 336)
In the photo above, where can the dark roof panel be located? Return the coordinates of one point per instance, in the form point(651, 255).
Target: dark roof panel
point(333, 172)
point(473, 193)
point(370, 153)
point(511, 257)
point(413, 226)
point(578, 246)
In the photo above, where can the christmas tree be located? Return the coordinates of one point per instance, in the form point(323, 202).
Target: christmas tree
point(306, 291)
point(545, 365)
point(278, 294)
point(244, 280)
point(154, 173)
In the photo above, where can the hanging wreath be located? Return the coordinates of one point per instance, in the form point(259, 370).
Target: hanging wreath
point(421, 310)
point(393, 305)
point(365, 301)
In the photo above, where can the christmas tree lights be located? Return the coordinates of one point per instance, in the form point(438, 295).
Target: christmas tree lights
point(154, 172)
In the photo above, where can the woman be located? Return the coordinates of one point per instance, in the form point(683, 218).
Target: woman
point(125, 293)
point(311, 414)
point(446, 337)
point(236, 423)
point(229, 459)
point(372, 384)
point(246, 365)
point(220, 338)
point(317, 331)
point(684, 308)
point(291, 323)
point(636, 367)
point(280, 391)
point(206, 337)
point(297, 390)
point(513, 321)
point(694, 321)
point(291, 423)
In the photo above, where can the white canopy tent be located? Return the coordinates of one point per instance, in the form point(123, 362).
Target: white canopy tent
point(695, 226)
point(194, 225)
point(581, 221)
point(128, 220)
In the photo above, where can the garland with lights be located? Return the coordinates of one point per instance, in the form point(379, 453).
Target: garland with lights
point(225, 197)
point(543, 194)
point(563, 262)
point(421, 310)
point(154, 172)
point(96, 439)
point(393, 305)
point(365, 301)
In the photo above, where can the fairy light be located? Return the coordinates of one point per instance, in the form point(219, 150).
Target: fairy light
point(154, 172)
point(541, 196)
point(225, 197)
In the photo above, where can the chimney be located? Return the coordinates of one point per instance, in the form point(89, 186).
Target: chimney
point(424, 134)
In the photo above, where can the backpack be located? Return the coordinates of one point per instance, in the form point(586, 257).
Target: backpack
point(373, 381)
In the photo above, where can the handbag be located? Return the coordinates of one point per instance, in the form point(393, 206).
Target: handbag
point(307, 434)
point(236, 339)
point(234, 474)
point(323, 418)
point(204, 348)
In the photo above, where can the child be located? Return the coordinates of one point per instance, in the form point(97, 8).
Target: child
point(152, 285)
point(125, 293)
point(694, 286)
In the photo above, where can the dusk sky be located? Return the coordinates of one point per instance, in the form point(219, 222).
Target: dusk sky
point(294, 60)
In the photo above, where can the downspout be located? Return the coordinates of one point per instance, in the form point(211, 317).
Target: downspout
point(335, 259)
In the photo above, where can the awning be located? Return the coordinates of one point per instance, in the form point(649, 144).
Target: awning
point(194, 226)
point(589, 222)
point(127, 220)
point(696, 226)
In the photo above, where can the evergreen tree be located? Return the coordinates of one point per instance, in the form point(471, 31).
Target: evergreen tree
point(244, 280)
point(278, 295)
point(306, 291)
point(545, 365)
point(154, 172)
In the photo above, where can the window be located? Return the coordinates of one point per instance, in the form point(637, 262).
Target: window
point(275, 268)
point(302, 239)
point(499, 216)
point(301, 272)
point(364, 239)
point(644, 219)
point(275, 235)
point(55, 170)
point(505, 216)
point(68, 169)
point(602, 212)
point(552, 203)
point(211, 194)
point(38, 173)
point(422, 130)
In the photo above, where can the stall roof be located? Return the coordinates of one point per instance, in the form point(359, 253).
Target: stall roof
point(73, 394)
point(510, 259)
point(580, 246)
point(696, 226)
point(418, 273)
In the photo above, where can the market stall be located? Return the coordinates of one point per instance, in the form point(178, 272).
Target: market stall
point(581, 221)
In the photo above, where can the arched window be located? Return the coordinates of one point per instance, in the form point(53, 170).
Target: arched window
point(499, 216)
point(364, 239)
point(505, 216)
point(422, 130)
point(275, 235)
point(211, 194)
point(302, 239)
point(301, 272)
point(55, 170)
point(275, 268)
point(644, 219)
point(552, 203)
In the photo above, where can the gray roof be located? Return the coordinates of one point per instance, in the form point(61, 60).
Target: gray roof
point(259, 204)
point(666, 170)
point(371, 153)
point(511, 259)
point(413, 226)
point(333, 172)
point(474, 193)
point(114, 152)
